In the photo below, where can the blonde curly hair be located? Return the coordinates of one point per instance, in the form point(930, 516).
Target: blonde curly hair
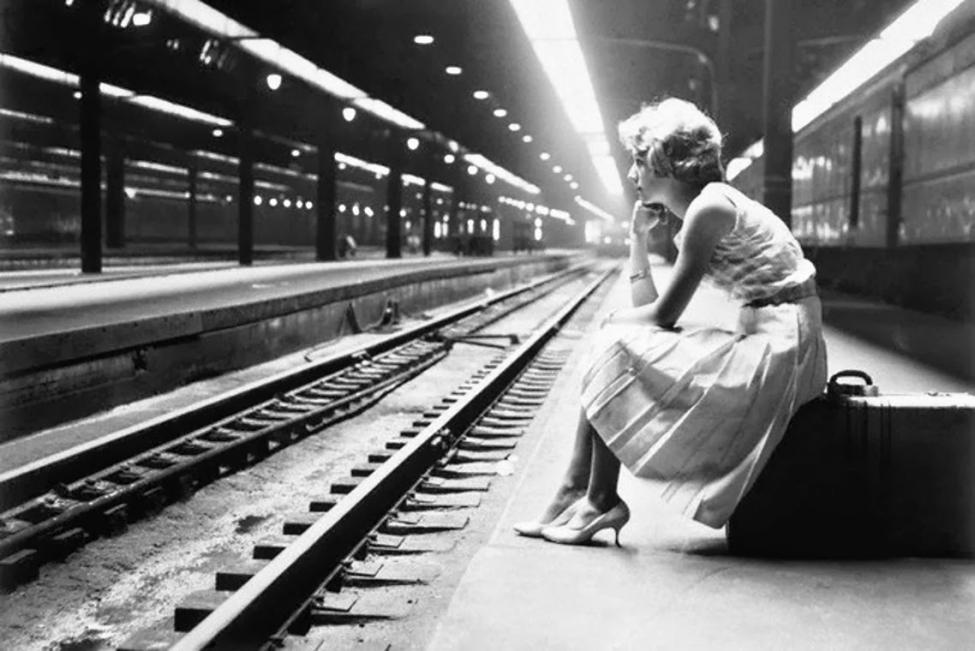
point(677, 139)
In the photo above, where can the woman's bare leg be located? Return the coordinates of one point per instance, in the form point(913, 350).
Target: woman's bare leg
point(576, 478)
point(601, 495)
point(604, 476)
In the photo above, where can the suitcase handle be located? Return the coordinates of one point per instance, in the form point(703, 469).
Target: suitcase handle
point(837, 388)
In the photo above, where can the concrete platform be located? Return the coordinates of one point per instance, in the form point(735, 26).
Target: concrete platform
point(672, 585)
point(67, 307)
point(69, 350)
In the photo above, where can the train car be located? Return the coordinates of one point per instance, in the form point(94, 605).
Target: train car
point(40, 205)
point(884, 181)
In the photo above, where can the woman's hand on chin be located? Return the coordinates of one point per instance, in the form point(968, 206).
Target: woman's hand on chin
point(645, 217)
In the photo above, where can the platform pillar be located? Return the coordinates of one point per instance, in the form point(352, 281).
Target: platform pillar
point(778, 95)
point(325, 226)
point(192, 172)
point(115, 197)
point(90, 128)
point(724, 59)
point(245, 203)
point(427, 214)
point(394, 194)
point(453, 235)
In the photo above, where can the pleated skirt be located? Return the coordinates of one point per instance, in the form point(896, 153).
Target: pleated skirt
point(696, 412)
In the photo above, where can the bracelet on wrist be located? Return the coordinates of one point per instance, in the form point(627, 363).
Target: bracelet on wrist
point(638, 275)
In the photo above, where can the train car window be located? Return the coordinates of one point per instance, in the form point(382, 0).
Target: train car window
point(854, 215)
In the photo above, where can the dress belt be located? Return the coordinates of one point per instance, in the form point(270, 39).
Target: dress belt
point(790, 294)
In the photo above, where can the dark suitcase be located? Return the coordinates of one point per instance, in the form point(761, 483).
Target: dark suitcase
point(860, 475)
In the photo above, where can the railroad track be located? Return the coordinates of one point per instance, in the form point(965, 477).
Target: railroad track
point(414, 485)
point(54, 506)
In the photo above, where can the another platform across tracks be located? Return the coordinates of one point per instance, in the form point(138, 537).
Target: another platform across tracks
point(71, 349)
point(673, 584)
point(34, 268)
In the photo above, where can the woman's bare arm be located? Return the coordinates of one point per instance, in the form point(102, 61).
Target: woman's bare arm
point(643, 291)
point(706, 222)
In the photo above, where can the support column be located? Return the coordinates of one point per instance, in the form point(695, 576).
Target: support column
point(245, 196)
point(115, 197)
point(723, 73)
point(429, 169)
point(192, 172)
point(428, 212)
point(458, 176)
point(394, 194)
point(325, 226)
point(90, 127)
point(779, 89)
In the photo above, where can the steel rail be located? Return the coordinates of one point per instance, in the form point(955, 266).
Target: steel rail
point(34, 479)
point(135, 493)
point(256, 611)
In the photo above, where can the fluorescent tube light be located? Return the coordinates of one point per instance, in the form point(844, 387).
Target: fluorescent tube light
point(594, 209)
point(550, 28)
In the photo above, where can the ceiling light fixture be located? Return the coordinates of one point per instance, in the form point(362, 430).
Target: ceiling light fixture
point(348, 113)
point(150, 102)
point(142, 18)
point(413, 143)
point(544, 155)
point(453, 70)
point(500, 113)
point(274, 81)
point(223, 27)
point(481, 94)
point(526, 138)
point(423, 39)
point(377, 169)
point(514, 126)
point(384, 111)
point(550, 28)
point(501, 173)
point(596, 210)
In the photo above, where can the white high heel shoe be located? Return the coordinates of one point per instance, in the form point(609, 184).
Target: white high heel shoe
point(534, 529)
point(613, 519)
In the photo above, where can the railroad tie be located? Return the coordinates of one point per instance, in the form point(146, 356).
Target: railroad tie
point(437, 501)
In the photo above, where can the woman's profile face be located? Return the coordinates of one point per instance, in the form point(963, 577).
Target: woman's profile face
point(647, 185)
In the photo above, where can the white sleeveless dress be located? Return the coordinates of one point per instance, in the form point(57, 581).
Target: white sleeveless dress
point(696, 412)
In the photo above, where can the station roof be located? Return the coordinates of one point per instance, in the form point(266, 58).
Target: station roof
point(629, 48)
